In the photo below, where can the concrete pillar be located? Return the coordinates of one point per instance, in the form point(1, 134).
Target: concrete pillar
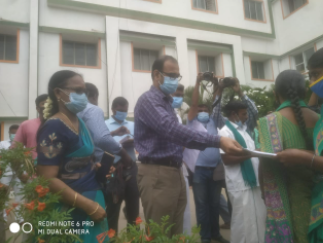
point(113, 59)
point(33, 59)
point(182, 53)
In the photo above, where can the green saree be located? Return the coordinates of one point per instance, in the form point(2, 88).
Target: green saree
point(287, 191)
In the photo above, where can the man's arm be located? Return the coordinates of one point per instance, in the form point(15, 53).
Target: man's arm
point(155, 116)
point(195, 98)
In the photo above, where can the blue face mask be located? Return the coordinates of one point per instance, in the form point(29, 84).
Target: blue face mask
point(203, 117)
point(120, 116)
point(77, 102)
point(177, 102)
point(12, 136)
point(317, 87)
point(169, 86)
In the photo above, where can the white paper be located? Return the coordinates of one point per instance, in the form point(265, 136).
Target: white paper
point(190, 155)
point(260, 154)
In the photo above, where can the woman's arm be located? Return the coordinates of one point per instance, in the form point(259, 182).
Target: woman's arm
point(290, 157)
point(68, 194)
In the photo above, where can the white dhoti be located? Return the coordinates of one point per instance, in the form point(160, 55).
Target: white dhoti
point(248, 216)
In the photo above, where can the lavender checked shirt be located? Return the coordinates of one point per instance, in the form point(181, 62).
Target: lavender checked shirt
point(158, 134)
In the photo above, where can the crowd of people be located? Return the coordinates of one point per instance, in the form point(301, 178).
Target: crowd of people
point(272, 200)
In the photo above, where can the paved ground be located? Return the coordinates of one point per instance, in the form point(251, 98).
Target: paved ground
point(225, 233)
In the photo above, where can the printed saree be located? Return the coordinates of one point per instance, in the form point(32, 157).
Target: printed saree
point(316, 221)
point(278, 223)
point(60, 146)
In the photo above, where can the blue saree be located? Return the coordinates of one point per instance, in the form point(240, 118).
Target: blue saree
point(59, 145)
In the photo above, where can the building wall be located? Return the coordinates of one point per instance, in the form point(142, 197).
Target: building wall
point(14, 81)
point(49, 52)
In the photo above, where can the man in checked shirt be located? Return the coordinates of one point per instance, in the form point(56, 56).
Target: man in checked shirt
point(159, 139)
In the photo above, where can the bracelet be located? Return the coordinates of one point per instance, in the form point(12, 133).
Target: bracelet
point(95, 210)
point(75, 199)
point(313, 160)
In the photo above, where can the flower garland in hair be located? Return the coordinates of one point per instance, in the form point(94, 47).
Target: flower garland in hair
point(48, 108)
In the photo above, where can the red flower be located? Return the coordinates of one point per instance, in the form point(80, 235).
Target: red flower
point(27, 153)
point(40, 240)
point(15, 205)
point(41, 191)
point(8, 210)
point(30, 205)
point(138, 221)
point(149, 238)
point(41, 206)
point(111, 233)
point(44, 192)
point(182, 239)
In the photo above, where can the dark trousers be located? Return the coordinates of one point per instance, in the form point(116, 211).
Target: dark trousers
point(131, 197)
point(207, 202)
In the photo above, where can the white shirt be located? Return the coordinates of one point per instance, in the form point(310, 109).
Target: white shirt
point(233, 175)
point(5, 144)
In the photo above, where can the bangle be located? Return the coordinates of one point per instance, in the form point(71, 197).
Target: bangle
point(75, 199)
point(313, 160)
point(95, 210)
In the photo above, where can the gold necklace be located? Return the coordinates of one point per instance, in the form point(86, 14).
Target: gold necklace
point(75, 130)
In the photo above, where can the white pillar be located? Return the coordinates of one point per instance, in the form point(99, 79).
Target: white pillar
point(182, 53)
point(113, 60)
point(33, 59)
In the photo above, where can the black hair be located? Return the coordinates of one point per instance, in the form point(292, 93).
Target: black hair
point(91, 90)
point(40, 99)
point(180, 87)
point(13, 127)
point(290, 85)
point(119, 101)
point(58, 80)
point(159, 63)
point(234, 106)
point(316, 60)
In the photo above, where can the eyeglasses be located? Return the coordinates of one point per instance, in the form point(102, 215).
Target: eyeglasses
point(172, 76)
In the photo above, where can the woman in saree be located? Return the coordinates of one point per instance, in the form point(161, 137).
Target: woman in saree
point(287, 190)
point(65, 155)
point(314, 162)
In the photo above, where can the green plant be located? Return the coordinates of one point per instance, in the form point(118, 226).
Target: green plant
point(39, 204)
point(152, 232)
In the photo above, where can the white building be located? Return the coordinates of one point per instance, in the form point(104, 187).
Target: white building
point(113, 43)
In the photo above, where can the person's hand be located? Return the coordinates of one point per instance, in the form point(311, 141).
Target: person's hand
point(97, 166)
point(291, 157)
point(111, 171)
point(120, 131)
point(99, 215)
point(236, 87)
point(199, 78)
point(128, 143)
point(126, 160)
point(230, 146)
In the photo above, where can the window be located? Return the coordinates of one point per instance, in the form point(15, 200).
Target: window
point(253, 10)
point(208, 5)
point(79, 54)
point(290, 6)
point(258, 70)
point(206, 64)
point(8, 48)
point(144, 59)
point(301, 59)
